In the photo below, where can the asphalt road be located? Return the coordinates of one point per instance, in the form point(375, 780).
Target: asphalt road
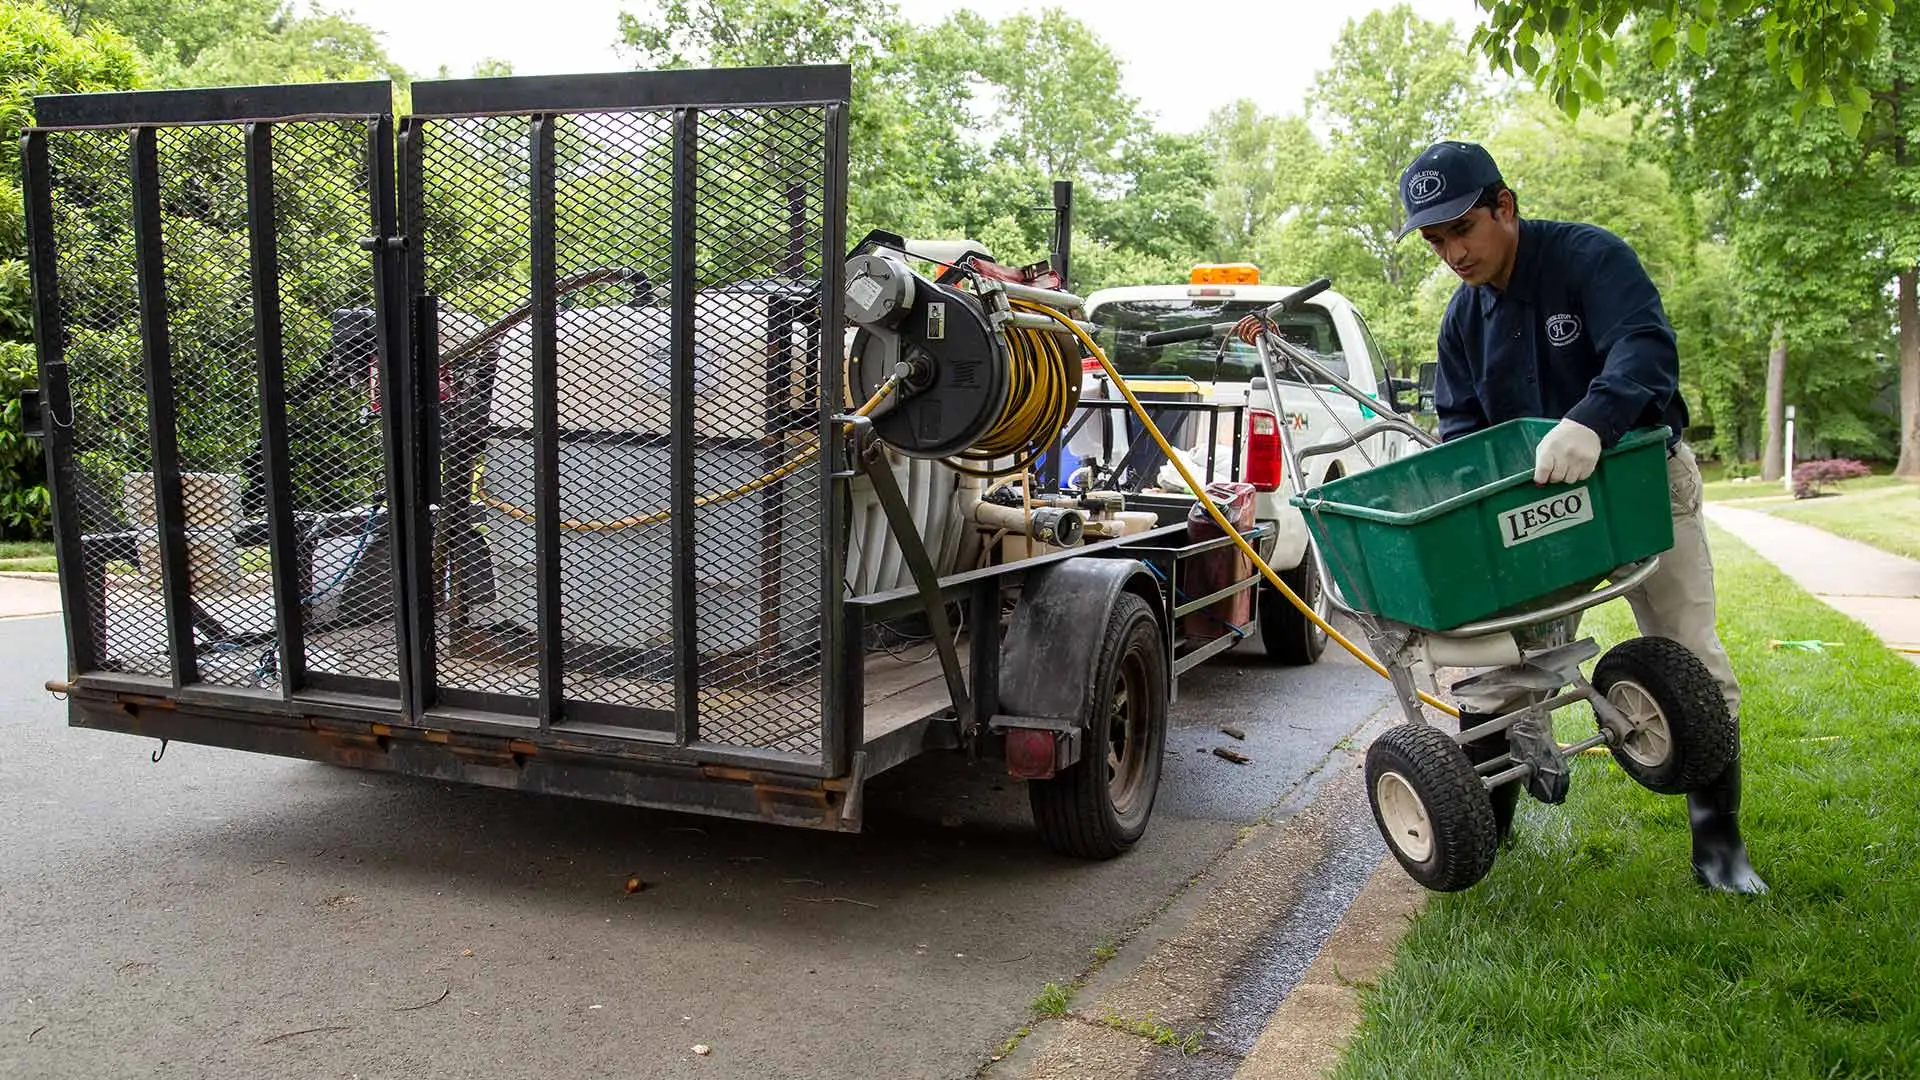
point(221, 914)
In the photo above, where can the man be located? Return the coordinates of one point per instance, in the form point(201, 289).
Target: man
point(1559, 320)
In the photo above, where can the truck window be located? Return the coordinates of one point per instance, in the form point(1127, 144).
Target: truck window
point(1377, 359)
point(1122, 323)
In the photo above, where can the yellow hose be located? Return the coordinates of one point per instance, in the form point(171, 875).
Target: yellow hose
point(1213, 511)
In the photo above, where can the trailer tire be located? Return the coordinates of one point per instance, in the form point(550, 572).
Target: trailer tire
point(1288, 635)
point(1431, 807)
point(1683, 736)
point(1098, 807)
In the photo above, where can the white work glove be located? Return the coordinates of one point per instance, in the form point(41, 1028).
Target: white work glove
point(1567, 455)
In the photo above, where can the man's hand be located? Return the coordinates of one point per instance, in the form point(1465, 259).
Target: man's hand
point(1567, 455)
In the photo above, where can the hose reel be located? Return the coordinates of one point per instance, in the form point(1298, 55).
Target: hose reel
point(978, 383)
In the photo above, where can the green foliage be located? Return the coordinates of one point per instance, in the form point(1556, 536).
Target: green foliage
point(1396, 83)
point(315, 48)
point(1823, 50)
point(1262, 165)
point(23, 494)
point(38, 55)
point(1053, 1000)
point(1590, 951)
point(960, 127)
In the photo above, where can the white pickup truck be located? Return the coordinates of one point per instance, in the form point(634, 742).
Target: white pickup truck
point(1329, 327)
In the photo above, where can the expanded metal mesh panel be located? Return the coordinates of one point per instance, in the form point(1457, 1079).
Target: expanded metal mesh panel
point(758, 544)
point(613, 222)
point(757, 218)
point(92, 201)
point(209, 292)
point(336, 459)
point(477, 247)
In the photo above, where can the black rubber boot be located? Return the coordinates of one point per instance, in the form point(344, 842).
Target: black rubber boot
point(1506, 797)
point(1719, 855)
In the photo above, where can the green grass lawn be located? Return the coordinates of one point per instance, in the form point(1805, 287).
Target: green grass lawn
point(1589, 951)
point(26, 555)
point(1724, 490)
point(1888, 520)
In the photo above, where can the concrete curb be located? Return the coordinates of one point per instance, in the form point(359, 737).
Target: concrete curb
point(1197, 997)
point(29, 575)
point(1313, 1024)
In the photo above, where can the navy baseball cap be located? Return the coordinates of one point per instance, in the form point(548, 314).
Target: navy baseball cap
point(1444, 183)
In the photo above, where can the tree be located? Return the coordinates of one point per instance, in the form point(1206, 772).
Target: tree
point(1395, 84)
point(238, 42)
point(38, 55)
point(168, 31)
point(1261, 164)
point(316, 48)
point(1826, 48)
point(962, 126)
point(1820, 220)
point(1749, 73)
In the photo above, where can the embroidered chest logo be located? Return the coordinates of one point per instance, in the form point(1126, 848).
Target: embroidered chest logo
point(1426, 186)
point(1563, 330)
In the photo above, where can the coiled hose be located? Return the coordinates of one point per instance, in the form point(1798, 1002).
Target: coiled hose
point(1213, 511)
point(1039, 404)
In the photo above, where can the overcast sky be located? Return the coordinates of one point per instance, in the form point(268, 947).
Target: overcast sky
point(1182, 59)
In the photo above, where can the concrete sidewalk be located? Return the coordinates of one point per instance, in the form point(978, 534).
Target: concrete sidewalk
point(28, 595)
point(1879, 589)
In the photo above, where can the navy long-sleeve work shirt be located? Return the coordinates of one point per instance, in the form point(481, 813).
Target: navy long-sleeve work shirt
point(1577, 333)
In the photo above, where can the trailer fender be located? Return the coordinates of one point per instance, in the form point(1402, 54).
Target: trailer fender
point(1053, 642)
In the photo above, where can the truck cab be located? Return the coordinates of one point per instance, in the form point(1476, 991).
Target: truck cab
point(1227, 374)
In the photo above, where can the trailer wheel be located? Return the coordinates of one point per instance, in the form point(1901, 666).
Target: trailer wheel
point(1431, 807)
point(1289, 636)
point(1682, 737)
point(1098, 807)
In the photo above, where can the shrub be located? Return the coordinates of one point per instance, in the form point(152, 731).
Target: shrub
point(1810, 477)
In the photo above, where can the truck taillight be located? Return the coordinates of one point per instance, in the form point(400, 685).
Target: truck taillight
point(1263, 450)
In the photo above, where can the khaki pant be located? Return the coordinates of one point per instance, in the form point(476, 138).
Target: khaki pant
point(1677, 601)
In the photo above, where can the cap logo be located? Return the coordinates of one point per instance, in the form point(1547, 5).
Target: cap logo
point(1563, 329)
point(1424, 187)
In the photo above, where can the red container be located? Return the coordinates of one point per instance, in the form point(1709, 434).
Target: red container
point(1217, 569)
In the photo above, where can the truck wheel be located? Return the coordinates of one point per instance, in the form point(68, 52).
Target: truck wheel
point(1682, 737)
point(1098, 807)
point(1289, 636)
point(1431, 807)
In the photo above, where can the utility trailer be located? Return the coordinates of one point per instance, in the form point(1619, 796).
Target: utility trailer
point(509, 443)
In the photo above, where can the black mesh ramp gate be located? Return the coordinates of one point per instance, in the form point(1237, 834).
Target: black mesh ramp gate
point(626, 290)
point(220, 420)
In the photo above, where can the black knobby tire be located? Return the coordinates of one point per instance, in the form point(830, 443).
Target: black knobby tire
point(1687, 737)
point(1431, 807)
point(1289, 636)
point(1098, 807)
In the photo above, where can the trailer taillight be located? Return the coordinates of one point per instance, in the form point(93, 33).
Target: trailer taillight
point(1263, 450)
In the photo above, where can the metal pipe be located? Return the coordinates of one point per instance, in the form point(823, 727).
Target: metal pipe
point(1301, 358)
point(1514, 773)
point(1561, 610)
point(1503, 722)
point(1026, 321)
point(1586, 744)
point(1053, 298)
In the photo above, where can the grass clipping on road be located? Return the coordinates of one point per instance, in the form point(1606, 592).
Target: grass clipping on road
point(1889, 520)
point(1590, 952)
